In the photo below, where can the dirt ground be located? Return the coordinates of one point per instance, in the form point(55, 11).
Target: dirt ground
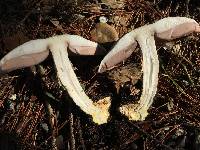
point(28, 96)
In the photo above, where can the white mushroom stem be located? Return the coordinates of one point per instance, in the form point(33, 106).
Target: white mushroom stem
point(150, 67)
point(69, 80)
point(35, 51)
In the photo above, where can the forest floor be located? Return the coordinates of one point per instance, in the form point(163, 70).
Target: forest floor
point(27, 97)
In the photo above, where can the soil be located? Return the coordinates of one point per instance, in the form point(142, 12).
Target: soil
point(37, 113)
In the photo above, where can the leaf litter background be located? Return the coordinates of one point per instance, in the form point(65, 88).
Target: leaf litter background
point(36, 113)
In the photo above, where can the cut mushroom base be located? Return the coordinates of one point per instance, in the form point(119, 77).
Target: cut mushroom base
point(167, 28)
point(35, 51)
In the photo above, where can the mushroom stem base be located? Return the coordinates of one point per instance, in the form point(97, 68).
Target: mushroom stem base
point(133, 113)
point(101, 115)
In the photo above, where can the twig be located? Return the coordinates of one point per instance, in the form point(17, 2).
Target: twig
point(72, 137)
point(176, 84)
point(187, 13)
point(81, 135)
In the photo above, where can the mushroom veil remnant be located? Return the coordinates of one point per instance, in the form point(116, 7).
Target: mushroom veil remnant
point(167, 29)
point(35, 51)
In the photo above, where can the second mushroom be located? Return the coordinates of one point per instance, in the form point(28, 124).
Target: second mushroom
point(167, 29)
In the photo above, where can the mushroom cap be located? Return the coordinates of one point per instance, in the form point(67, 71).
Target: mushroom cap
point(174, 27)
point(104, 33)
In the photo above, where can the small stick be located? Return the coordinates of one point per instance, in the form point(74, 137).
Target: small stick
point(72, 137)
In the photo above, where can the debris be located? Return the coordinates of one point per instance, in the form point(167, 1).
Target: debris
point(115, 4)
point(128, 73)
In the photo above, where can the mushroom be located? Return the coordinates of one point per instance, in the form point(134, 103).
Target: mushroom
point(35, 51)
point(168, 28)
point(103, 32)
